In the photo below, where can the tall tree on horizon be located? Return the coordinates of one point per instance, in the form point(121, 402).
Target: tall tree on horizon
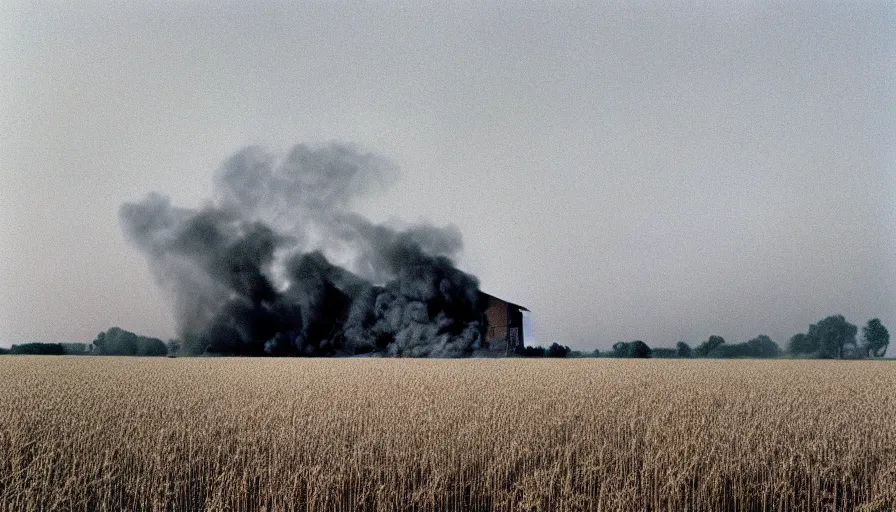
point(709, 345)
point(875, 339)
point(834, 334)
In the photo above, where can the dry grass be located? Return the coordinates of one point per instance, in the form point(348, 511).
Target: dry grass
point(251, 434)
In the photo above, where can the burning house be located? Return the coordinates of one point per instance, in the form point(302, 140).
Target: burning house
point(503, 329)
point(277, 263)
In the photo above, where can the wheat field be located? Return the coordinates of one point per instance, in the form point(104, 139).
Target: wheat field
point(85, 433)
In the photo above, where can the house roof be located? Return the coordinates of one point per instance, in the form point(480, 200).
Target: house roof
point(490, 296)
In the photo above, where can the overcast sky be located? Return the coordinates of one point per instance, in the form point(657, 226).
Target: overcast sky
point(626, 172)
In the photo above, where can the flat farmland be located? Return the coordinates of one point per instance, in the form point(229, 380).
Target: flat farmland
point(88, 433)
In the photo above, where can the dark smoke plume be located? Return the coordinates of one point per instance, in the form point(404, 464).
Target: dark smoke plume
point(277, 263)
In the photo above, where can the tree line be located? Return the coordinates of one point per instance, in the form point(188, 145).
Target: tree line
point(48, 349)
point(831, 338)
point(113, 342)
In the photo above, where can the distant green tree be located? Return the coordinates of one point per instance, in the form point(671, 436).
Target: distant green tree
point(620, 349)
point(704, 349)
point(38, 349)
point(118, 342)
point(759, 347)
point(151, 347)
point(663, 353)
point(834, 335)
point(76, 349)
point(532, 351)
point(763, 347)
point(875, 339)
point(830, 338)
point(726, 351)
point(557, 350)
point(636, 349)
point(640, 349)
point(803, 345)
point(683, 349)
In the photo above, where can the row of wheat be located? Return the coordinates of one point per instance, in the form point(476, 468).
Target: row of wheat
point(384, 434)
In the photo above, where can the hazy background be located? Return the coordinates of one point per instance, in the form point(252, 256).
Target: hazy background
point(626, 172)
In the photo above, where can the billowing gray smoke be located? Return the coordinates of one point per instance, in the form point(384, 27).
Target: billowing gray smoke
point(277, 263)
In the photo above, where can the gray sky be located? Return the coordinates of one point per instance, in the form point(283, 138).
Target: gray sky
point(626, 172)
